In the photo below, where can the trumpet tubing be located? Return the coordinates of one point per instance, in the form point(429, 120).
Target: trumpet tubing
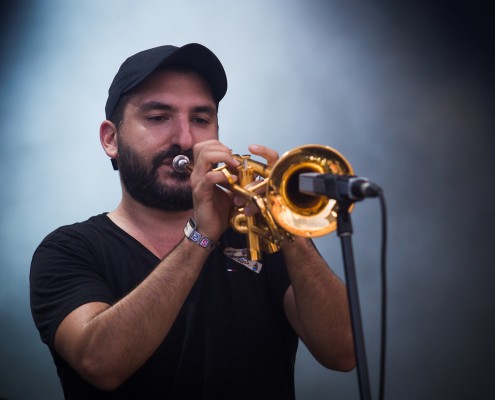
point(285, 212)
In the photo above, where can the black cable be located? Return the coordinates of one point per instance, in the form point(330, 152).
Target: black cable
point(383, 262)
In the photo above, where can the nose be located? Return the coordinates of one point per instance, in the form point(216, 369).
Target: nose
point(183, 134)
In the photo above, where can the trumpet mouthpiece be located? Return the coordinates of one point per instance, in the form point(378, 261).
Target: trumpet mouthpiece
point(181, 163)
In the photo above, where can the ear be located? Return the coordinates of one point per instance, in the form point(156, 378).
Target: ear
point(108, 138)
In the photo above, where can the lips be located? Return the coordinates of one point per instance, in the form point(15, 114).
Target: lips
point(166, 157)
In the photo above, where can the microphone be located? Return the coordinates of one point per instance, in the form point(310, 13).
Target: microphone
point(338, 187)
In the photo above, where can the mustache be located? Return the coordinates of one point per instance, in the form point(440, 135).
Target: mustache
point(170, 154)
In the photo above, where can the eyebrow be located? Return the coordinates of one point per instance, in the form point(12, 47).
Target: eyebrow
point(156, 105)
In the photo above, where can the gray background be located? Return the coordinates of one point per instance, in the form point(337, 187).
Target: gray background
point(403, 89)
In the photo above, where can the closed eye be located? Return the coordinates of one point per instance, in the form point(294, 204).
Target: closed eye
point(157, 118)
point(201, 121)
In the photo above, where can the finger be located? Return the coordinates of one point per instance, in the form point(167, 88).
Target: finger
point(270, 155)
point(239, 201)
point(212, 152)
point(212, 179)
point(251, 209)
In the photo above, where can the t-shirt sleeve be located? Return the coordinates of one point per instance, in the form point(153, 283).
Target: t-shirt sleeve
point(64, 275)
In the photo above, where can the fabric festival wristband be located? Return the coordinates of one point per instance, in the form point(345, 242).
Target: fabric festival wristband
point(194, 236)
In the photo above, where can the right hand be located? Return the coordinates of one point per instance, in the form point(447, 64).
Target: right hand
point(212, 205)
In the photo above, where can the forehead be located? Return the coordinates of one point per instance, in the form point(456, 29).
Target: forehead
point(173, 85)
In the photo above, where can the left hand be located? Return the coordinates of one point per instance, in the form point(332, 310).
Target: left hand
point(271, 156)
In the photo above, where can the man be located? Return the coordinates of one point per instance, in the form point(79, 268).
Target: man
point(131, 307)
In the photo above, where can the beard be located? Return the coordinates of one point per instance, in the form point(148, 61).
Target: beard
point(142, 182)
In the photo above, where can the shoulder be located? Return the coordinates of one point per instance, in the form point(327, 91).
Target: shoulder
point(88, 231)
point(78, 239)
point(92, 224)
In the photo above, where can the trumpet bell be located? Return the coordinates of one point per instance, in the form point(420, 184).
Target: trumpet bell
point(298, 213)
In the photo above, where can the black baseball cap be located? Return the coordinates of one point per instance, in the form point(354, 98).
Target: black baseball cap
point(139, 66)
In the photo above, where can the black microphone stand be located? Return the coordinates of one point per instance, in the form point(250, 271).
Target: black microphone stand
point(344, 231)
point(345, 190)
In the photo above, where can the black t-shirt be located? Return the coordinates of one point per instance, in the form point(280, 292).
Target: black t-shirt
point(231, 339)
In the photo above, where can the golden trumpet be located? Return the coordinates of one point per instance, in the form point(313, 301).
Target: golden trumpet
point(285, 212)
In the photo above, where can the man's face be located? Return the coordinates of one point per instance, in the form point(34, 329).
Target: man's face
point(169, 113)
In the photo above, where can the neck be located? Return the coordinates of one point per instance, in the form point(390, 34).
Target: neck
point(158, 230)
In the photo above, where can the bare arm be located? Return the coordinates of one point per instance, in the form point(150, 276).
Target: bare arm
point(106, 344)
point(317, 308)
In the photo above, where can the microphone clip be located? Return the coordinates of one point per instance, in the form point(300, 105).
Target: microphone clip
point(342, 188)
